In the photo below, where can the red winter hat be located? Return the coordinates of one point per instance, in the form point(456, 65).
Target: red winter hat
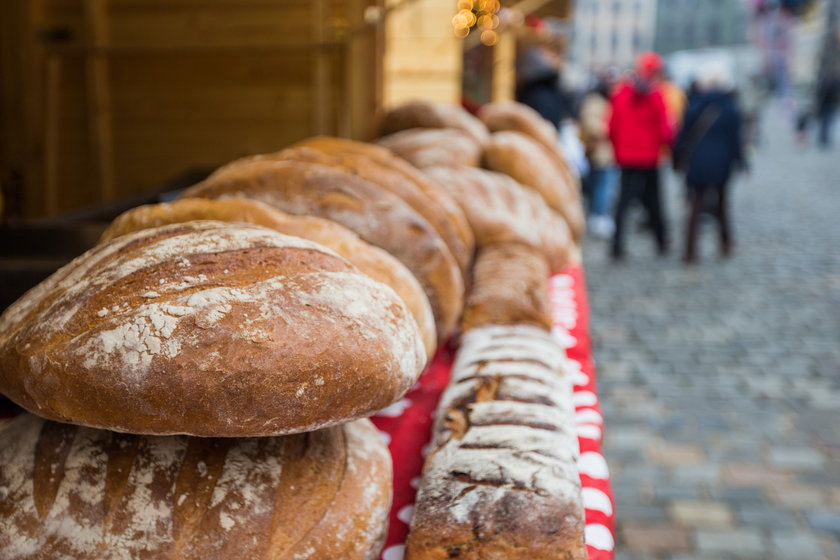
point(648, 65)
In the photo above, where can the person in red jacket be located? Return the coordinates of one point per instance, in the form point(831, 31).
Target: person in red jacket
point(639, 129)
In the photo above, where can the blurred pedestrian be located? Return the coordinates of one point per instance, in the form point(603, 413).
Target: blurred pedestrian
point(639, 129)
point(603, 174)
point(827, 99)
point(708, 148)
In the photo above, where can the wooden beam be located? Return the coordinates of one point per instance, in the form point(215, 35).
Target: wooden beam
point(52, 132)
point(321, 71)
point(99, 96)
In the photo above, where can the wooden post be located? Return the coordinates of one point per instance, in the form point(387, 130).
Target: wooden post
point(504, 67)
point(52, 131)
point(99, 96)
point(321, 72)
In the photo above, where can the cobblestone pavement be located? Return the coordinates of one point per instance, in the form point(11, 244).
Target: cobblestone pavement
point(721, 382)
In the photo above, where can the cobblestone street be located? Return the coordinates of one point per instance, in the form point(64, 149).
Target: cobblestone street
point(721, 382)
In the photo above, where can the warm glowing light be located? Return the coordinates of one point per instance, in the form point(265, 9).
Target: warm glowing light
point(461, 32)
point(488, 21)
point(489, 37)
point(469, 16)
point(465, 4)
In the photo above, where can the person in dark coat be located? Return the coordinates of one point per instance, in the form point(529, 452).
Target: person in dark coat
point(710, 143)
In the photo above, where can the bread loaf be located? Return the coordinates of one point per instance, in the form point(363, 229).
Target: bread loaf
point(377, 216)
point(511, 115)
point(386, 178)
point(210, 329)
point(509, 287)
point(431, 147)
point(430, 114)
point(453, 216)
point(501, 481)
point(86, 494)
point(373, 261)
point(500, 210)
point(528, 162)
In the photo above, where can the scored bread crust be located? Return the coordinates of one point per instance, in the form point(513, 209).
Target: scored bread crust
point(432, 114)
point(500, 481)
point(509, 287)
point(376, 215)
point(433, 147)
point(501, 210)
point(512, 115)
point(211, 329)
point(527, 161)
point(373, 261)
point(87, 494)
point(383, 168)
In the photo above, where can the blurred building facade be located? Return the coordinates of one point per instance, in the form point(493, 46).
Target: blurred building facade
point(612, 32)
point(689, 24)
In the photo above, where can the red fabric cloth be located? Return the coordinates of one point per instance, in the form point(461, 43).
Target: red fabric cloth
point(406, 426)
point(639, 126)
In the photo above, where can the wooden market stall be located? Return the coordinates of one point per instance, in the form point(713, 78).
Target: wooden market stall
point(107, 98)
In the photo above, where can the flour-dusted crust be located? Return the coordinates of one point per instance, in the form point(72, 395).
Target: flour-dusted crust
point(509, 287)
point(376, 215)
point(211, 329)
point(72, 493)
point(373, 261)
point(433, 147)
point(501, 481)
point(539, 168)
point(431, 114)
point(501, 210)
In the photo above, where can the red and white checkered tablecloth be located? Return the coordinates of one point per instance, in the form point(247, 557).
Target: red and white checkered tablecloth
point(406, 426)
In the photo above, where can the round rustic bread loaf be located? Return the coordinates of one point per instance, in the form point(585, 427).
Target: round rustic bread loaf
point(432, 147)
point(385, 177)
point(86, 494)
point(448, 219)
point(511, 115)
point(208, 328)
point(501, 210)
point(430, 114)
point(524, 159)
point(376, 215)
point(373, 261)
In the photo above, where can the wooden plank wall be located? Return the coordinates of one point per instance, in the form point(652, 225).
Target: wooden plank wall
point(423, 58)
point(109, 98)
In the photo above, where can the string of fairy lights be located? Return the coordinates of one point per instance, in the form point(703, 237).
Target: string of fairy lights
point(481, 16)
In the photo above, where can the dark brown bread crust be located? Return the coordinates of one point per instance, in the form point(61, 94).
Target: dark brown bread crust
point(86, 494)
point(373, 261)
point(429, 114)
point(501, 482)
point(500, 210)
point(377, 216)
point(543, 170)
point(398, 176)
point(510, 115)
point(433, 147)
point(509, 287)
point(210, 329)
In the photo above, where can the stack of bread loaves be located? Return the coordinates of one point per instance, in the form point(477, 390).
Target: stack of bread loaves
point(200, 381)
point(501, 479)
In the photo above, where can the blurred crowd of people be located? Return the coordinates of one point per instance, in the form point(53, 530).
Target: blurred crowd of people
point(633, 125)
